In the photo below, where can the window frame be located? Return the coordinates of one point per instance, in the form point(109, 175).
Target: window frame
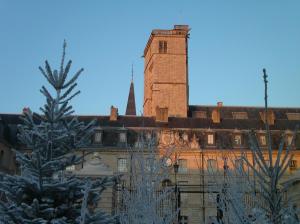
point(162, 46)
point(98, 135)
point(262, 143)
point(212, 168)
point(123, 137)
point(208, 139)
point(184, 219)
point(181, 168)
point(293, 165)
point(235, 142)
point(122, 165)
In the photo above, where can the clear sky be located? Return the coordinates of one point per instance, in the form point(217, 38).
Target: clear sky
point(230, 42)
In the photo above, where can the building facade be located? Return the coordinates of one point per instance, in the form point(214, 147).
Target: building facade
point(200, 136)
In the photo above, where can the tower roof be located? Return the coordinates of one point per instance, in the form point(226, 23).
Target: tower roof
point(130, 109)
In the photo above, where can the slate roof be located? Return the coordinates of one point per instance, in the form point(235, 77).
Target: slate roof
point(9, 122)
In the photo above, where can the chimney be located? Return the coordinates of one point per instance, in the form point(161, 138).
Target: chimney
point(270, 117)
point(216, 114)
point(181, 27)
point(113, 113)
point(26, 110)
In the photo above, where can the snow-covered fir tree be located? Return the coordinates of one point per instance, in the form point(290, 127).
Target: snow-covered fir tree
point(42, 193)
point(145, 200)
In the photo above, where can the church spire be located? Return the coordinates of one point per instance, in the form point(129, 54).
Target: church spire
point(130, 109)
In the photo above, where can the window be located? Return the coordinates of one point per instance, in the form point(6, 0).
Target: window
point(240, 115)
point(210, 139)
point(293, 116)
point(98, 137)
point(293, 164)
point(70, 168)
point(212, 165)
point(166, 183)
point(184, 198)
point(262, 140)
point(163, 45)
point(238, 163)
point(183, 219)
point(182, 165)
point(149, 164)
point(122, 165)
point(237, 140)
point(182, 182)
point(123, 137)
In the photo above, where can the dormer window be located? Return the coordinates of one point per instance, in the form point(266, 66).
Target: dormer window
point(98, 137)
point(237, 140)
point(210, 139)
point(262, 140)
point(122, 137)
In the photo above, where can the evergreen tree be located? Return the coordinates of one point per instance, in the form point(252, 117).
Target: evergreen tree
point(42, 193)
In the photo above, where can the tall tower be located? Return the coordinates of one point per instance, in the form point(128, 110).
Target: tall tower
point(166, 72)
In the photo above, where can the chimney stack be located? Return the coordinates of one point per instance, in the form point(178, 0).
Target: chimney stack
point(113, 113)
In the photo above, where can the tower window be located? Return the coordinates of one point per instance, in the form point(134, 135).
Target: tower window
point(163, 46)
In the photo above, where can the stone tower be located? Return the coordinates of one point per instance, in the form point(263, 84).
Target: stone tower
point(166, 72)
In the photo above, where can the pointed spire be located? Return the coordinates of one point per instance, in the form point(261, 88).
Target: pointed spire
point(130, 110)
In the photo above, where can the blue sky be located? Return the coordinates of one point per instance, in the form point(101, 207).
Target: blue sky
point(230, 42)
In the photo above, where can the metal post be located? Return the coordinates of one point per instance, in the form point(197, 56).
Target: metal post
point(176, 167)
point(202, 170)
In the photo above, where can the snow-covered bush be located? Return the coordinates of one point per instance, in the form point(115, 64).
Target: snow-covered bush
point(145, 200)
